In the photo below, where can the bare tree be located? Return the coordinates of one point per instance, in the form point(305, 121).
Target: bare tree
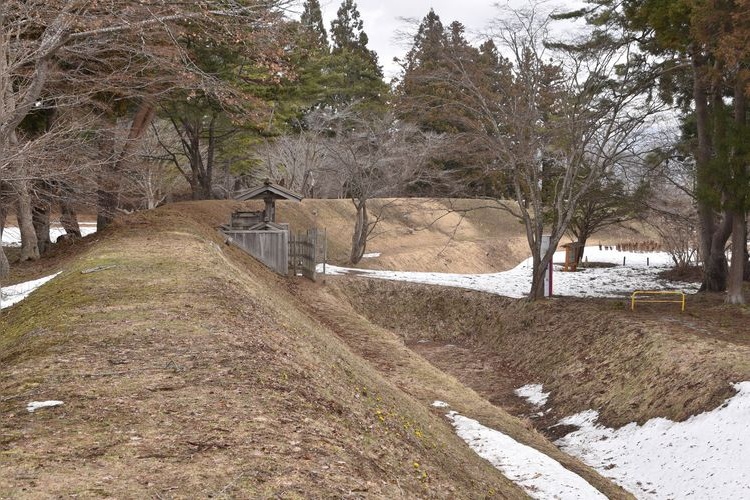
point(610, 201)
point(554, 123)
point(152, 177)
point(376, 157)
point(674, 219)
point(296, 161)
point(62, 54)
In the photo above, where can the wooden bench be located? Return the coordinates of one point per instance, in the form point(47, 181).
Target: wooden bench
point(657, 296)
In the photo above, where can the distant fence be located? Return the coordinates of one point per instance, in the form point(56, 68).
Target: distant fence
point(306, 249)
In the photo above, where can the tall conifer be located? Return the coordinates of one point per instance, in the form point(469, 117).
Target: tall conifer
point(354, 73)
point(312, 20)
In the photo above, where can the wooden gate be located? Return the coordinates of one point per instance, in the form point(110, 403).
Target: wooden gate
point(306, 249)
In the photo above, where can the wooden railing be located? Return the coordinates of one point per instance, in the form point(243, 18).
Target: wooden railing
point(656, 296)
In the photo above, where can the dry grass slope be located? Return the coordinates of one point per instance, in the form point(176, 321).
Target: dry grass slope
point(438, 235)
point(591, 353)
point(188, 370)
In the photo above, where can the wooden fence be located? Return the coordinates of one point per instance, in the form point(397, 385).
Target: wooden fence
point(269, 247)
point(306, 249)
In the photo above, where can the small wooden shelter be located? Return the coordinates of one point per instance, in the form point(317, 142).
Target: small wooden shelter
point(257, 232)
point(269, 193)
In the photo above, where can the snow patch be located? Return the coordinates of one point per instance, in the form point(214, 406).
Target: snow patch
point(12, 235)
point(539, 475)
point(13, 294)
point(533, 393)
point(440, 404)
point(331, 270)
point(640, 273)
point(702, 457)
point(35, 405)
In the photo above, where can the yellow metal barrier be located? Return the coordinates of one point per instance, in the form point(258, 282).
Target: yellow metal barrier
point(653, 296)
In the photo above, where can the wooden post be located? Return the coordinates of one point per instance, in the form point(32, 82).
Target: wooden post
point(548, 271)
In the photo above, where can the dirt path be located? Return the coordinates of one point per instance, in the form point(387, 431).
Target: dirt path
point(490, 374)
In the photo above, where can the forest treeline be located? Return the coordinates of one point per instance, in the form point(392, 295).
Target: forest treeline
point(638, 110)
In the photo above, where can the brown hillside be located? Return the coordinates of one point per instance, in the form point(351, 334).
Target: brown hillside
point(439, 235)
point(189, 370)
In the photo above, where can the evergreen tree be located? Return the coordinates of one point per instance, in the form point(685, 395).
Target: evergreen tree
point(427, 96)
point(347, 30)
point(353, 72)
point(312, 20)
point(429, 43)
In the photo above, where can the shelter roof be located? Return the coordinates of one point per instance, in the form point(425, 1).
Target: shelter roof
point(268, 189)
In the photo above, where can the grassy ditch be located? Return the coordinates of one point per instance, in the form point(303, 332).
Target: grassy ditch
point(590, 353)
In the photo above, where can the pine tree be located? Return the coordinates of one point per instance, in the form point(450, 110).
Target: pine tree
point(427, 96)
point(347, 30)
point(354, 75)
point(429, 43)
point(312, 20)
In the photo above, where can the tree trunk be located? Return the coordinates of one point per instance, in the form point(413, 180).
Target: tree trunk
point(106, 205)
point(746, 274)
point(716, 268)
point(108, 192)
point(208, 178)
point(29, 247)
point(540, 263)
point(359, 238)
point(736, 271)
point(537, 283)
point(4, 265)
point(739, 227)
point(3, 215)
point(69, 219)
point(40, 214)
point(582, 239)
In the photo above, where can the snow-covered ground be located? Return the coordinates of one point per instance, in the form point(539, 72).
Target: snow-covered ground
point(534, 394)
point(12, 236)
point(13, 294)
point(639, 273)
point(10, 295)
point(536, 473)
point(704, 457)
point(36, 405)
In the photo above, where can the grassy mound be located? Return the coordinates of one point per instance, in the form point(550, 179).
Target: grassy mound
point(188, 370)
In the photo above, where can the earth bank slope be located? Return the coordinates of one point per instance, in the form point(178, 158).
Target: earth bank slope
point(187, 369)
